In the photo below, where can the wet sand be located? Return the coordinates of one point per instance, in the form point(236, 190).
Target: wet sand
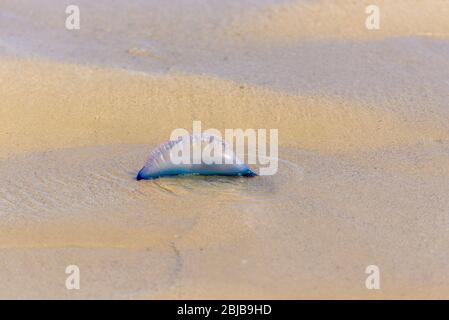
point(364, 150)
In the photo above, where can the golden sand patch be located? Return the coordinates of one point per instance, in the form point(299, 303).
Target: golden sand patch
point(49, 105)
point(342, 19)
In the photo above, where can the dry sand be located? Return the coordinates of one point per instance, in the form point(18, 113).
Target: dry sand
point(364, 150)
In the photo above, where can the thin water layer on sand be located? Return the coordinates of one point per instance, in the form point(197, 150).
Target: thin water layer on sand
point(356, 185)
point(287, 235)
point(45, 183)
point(84, 205)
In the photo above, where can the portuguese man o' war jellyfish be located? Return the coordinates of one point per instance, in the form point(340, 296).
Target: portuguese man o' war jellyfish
point(196, 159)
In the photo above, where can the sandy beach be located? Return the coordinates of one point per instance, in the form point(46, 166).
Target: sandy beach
point(363, 121)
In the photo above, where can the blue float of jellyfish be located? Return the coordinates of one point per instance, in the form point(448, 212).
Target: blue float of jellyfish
point(160, 162)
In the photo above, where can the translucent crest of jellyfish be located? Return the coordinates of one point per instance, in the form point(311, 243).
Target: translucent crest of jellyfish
point(160, 162)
